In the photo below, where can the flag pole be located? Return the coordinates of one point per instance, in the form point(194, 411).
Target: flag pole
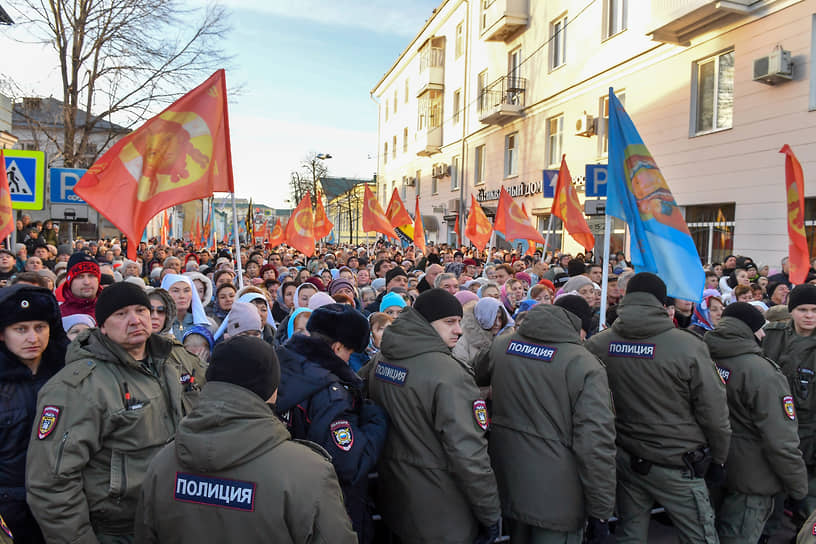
point(237, 243)
point(605, 278)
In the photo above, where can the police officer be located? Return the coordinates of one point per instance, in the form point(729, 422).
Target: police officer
point(233, 474)
point(102, 418)
point(671, 415)
point(437, 484)
point(552, 427)
point(764, 458)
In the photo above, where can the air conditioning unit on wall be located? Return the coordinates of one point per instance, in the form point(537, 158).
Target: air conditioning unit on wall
point(453, 205)
point(585, 125)
point(410, 182)
point(775, 68)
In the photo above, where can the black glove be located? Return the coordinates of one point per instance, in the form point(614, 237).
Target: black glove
point(597, 531)
point(715, 476)
point(487, 535)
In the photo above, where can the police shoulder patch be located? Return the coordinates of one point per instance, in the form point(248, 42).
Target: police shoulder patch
point(725, 374)
point(219, 492)
point(48, 420)
point(634, 350)
point(529, 350)
point(480, 413)
point(787, 405)
point(342, 435)
point(392, 374)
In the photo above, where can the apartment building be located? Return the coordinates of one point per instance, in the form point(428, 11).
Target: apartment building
point(491, 93)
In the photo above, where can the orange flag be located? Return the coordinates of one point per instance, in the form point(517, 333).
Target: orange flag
point(478, 228)
point(165, 229)
point(299, 232)
point(513, 221)
point(567, 208)
point(531, 247)
point(196, 234)
point(458, 230)
point(182, 154)
point(419, 230)
point(6, 213)
point(322, 225)
point(276, 238)
point(264, 232)
point(396, 212)
point(374, 219)
point(797, 241)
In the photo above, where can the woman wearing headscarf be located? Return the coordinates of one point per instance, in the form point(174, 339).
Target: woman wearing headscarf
point(189, 310)
point(285, 301)
point(707, 314)
point(482, 321)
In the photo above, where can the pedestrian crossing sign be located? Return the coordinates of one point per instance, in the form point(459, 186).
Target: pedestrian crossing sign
point(25, 171)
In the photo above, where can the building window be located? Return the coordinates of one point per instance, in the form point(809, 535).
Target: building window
point(603, 121)
point(481, 90)
point(395, 101)
point(712, 228)
point(385, 153)
point(403, 187)
point(457, 104)
point(405, 140)
point(558, 42)
point(614, 17)
point(454, 174)
point(555, 135)
point(434, 185)
point(417, 181)
point(513, 67)
point(407, 87)
point(460, 39)
point(511, 155)
point(557, 232)
point(479, 165)
point(714, 93)
point(386, 110)
point(394, 147)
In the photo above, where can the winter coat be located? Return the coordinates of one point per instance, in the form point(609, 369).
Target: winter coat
point(436, 482)
point(320, 399)
point(90, 450)
point(552, 425)
point(234, 475)
point(18, 405)
point(474, 338)
point(764, 458)
point(668, 396)
point(74, 305)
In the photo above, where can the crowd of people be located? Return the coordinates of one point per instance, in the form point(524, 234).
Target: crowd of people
point(167, 399)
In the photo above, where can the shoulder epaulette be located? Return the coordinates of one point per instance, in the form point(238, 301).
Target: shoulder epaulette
point(317, 448)
point(692, 333)
point(77, 371)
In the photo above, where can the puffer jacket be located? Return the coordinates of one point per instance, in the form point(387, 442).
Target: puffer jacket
point(552, 426)
point(234, 475)
point(437, 485)
point(474, 338)
point(764, 458)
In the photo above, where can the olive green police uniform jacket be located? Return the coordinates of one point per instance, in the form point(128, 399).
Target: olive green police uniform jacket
point(552, 426)
point(669, 398)
point(234, 475)
point(90, 446)
point(435, 477)
point(764, 458)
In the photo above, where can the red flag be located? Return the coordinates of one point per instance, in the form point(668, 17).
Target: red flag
point(567, 208)
point(374, 219)
point(299, 232)
point(6, 213)
point(419, 230)
point(276, 238)
point(264, 231)
point(165, 229)
point(322, 225)
point(196, 235)
point(797, 240)
point(478, 228)
point(531, 246)
point(396, 212)
point(458, 230)
point(514, 221)
point(180, 155)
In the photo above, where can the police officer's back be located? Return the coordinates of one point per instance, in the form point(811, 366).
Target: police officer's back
point(233, 474)
point(671, 414)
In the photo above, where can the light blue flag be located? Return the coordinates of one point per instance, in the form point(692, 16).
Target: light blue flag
point(638, 194)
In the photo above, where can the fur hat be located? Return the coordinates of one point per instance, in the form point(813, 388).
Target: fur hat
point(25, 302)
point(341, 323)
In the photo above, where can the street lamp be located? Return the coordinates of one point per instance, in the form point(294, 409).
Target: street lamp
point(323, 156)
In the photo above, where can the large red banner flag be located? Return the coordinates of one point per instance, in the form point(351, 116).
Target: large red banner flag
point(374, 219)
point(419, 230)
point(6, 213)
point(478, 228)
point(531, 245)
point(322, 225)
point(798, 255)
point(567, 208)
point(396, 212)
point(513, 221)
point(182, 154)
point(276, 238)
point(299, 232)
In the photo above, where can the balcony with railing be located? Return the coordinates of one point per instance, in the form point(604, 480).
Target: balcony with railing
point(501, 19)
point(678, 21)
point(429, 124)
point(502, 101)
point(431, 69)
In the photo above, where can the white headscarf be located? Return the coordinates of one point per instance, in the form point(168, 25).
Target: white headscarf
point(199, 317)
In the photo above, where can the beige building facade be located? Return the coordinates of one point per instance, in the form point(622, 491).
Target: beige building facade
point(491, 93)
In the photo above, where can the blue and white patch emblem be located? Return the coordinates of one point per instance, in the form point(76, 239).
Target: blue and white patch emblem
point(531, 351)
point(480, 413)
point(631, 349)
point(342, 435)
point(232, 494)
point(724, 373)
point(391, 373)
